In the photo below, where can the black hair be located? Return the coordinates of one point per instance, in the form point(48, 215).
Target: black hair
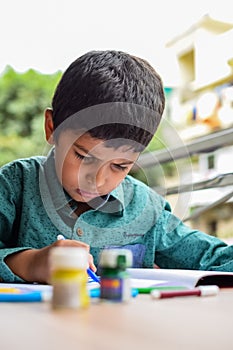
point(122, 96)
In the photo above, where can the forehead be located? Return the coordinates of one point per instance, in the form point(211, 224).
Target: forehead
point(95, 147)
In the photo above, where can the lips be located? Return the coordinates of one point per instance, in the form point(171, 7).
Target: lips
point(87, 194)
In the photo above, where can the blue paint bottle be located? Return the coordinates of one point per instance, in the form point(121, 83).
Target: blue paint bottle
point(115, 280)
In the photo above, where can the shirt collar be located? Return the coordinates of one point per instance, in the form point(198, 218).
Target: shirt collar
point(117, 195)
point(57, 192)
point(112, 203)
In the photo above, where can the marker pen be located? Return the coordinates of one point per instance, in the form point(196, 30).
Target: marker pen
point(201, 291)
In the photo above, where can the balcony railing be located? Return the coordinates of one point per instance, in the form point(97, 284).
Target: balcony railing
point(206, 144)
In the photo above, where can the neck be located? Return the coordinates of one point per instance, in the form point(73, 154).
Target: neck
point(82, 208)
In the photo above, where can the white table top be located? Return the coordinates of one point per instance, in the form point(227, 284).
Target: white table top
point(177, 323)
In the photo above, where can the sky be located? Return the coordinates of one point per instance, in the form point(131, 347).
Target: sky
point(47, 35)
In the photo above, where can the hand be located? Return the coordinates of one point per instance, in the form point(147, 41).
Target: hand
point(33, 265)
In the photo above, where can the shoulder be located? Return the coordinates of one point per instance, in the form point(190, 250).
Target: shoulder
point(143, 193)
point(19, 177)
point(23, 166)
point(23, 162)
point(139, 186)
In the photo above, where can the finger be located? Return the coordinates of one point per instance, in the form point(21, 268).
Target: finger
point(91, 263)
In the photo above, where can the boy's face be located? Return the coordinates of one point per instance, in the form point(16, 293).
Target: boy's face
point(87, 168)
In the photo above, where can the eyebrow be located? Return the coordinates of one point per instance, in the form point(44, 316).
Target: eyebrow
point(91, 155)
point(85, 150)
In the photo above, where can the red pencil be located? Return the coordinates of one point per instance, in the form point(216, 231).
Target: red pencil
point(201, 291)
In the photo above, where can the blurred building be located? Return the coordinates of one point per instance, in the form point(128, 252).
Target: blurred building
point(203, 104)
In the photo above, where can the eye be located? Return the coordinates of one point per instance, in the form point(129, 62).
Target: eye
point(120, 167)
point(85, 159)
point(79, 156)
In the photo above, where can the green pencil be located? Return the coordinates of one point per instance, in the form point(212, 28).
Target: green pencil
point(147, 290)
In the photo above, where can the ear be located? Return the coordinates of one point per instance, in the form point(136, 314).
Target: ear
point(48, 126)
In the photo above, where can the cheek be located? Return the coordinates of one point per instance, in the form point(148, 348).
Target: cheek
point(70, 172)
point(67, 169)
point(116, 178)
point(119, 177)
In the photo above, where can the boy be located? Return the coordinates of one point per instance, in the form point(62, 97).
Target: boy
point(105, 110)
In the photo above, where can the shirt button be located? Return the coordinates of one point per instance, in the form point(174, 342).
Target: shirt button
point(79, 232)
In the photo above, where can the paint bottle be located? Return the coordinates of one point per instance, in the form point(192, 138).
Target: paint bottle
point(115, 280)
point(69, 277)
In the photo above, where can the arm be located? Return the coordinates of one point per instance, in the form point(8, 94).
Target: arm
point(179, 246)
point(33, 265)
point(18, 260)
point(9, 183)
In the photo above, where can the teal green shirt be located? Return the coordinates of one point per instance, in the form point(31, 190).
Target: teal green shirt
point(34, 209)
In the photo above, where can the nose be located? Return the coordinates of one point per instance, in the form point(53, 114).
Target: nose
point(97, 177)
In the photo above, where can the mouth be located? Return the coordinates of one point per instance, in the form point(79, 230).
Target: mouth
point(87, 194)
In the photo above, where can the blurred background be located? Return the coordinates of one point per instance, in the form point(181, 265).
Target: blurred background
point(190, 44)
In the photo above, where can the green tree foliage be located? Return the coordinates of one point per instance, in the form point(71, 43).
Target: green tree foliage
point(23, 99)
